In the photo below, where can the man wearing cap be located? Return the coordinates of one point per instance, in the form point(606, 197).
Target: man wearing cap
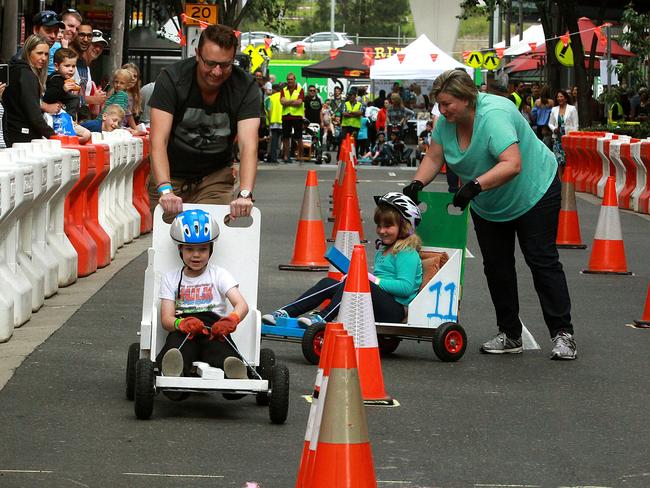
point(352, 112)
point(198, 107)
point(89, 43)
point(71, 20)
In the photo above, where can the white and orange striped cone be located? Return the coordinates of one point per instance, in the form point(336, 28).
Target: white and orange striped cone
point(309, 248)
point(347, 235)
point(645, 318)
point(358, 318)
point(568, 229)
point(349, 189)
point(608, 251)
point(344, 455)
point(316, 409)
point(336, 187)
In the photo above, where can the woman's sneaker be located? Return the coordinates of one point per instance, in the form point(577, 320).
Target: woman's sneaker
point(564, 346)
point(311, 319)
point(502, 344)
point(270, 318)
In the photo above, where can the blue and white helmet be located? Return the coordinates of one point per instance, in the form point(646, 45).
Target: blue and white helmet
point(403, 204)
point(194, 227)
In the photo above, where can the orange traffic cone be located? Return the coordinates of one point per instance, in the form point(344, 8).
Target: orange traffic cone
point(347, 234)
point(344, 455)
point(316, 409)
point(309, 249)
point(608, 252)
point(645, 318)
point(336, 188)
point(358, 317)
point(349, 189)
point(343, 183)
point(568, 230)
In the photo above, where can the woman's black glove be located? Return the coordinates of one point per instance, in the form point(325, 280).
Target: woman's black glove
point(466, 194)
point(411, 190)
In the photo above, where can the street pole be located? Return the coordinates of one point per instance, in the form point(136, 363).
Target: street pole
point(117, 34)
point(332, 12)
point(609, 70)
point(10, 31)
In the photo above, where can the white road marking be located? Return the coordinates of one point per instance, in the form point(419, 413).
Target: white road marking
point(169, 475)
point(390, 173)
point(527, 338)
point(495, 485)
point(395, 482)
point(468, 254)
point(26, 471)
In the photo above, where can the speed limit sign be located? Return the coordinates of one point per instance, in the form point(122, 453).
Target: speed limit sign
point(195, 12)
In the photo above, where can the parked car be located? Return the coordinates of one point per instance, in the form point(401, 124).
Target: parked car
point(256, 38)
point(320, 42)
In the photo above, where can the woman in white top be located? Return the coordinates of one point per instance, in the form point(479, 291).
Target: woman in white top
point(563, 119)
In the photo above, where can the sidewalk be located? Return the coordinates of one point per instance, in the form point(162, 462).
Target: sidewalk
point(59, 308)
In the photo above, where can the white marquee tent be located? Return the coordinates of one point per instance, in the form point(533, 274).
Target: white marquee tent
point(416, 64)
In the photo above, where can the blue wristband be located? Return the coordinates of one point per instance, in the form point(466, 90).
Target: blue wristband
point(165, 189)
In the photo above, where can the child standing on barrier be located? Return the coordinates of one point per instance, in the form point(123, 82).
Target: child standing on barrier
point(397, 270)
point(193, 303)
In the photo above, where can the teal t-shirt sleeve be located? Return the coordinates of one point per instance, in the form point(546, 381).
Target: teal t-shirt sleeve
point(506, 136)
point(405, 282)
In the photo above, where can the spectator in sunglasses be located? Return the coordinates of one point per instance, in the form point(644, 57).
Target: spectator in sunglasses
point(71, 20)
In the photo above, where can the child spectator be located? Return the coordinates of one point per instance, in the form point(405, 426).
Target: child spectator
point(326, 123)
point(61, 88)
point(398, 269)
point(110, 120)
point(362, 136)
point(135, 99)
point(117, 94)
point(193, 303)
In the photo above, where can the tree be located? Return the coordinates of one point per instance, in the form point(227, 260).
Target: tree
point(368, 18)
point(637, 36)
point(267, 12)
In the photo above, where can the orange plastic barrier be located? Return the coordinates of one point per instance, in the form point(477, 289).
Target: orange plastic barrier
point(91, 221)
point(644, 198)
point(140, 192)
point(630, 175)
point(75, 208)
point(645, 318)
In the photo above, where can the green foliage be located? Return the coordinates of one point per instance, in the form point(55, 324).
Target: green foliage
point(270, 14)
point(638, 37)
point(368, 18)
point(638, 131)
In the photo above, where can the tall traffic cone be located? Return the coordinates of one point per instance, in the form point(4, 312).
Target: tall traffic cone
point(645, 318)
point(332, 329)
point(346, 178)
point(349, 189)
point(344, 455)
point(347, 234)
point(568, 229)
point(358, 318)
point(608, 252)
point(336, 188)
point(309, 249)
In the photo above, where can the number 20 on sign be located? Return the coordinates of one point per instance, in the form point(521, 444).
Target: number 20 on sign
point(196, 12)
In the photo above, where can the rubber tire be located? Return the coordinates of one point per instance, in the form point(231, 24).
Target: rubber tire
point(279, 401)
point(145, 391)
point(327, 158)
point(267, 361)
point(313, 333)
point(131, 359)
point(388, 344)
point(442, 342)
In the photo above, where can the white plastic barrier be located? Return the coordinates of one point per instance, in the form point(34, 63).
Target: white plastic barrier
point(118, 207)
point(39, 249)
point(615, 158)
point(58, 242)
point(7, 198)
point(641, 175)
point(35, 273)
point(11, 274)
point(107, 191)
point(133, 162)
point(601, 142)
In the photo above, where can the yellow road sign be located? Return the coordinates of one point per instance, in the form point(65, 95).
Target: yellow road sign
point(474, 60)
point(200, 11)
point(491, 61)
point(257, 54)
point(564, 54)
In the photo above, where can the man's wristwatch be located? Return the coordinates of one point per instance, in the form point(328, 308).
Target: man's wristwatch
point(245, 194)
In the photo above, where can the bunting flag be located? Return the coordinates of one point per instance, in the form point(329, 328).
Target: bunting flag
point(335, 52)
point(237, 33)
point(434, 56)
point(368, 60)
point(565, 39)
point(267, 42)
point(300, 48)
point(533, 46)
point(466, 54)
point(500, 51)
point(183, 19)
point(401, 57)
point(183, 39)
point(203, 25)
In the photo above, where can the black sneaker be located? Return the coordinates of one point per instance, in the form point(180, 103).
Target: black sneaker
point(502, 344)
point(564, 347)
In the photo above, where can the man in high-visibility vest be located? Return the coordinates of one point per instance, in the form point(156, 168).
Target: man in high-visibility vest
point(273, 109)
point(519, 95)
point(293, 111)
point(352, 112)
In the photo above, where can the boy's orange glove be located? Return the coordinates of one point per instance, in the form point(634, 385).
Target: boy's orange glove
point(192, 326)
point(224, 326)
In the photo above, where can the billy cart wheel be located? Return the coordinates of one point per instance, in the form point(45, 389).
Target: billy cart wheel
point(131, 359)
point(387, 344)
point(449, 342)
point(327, 158)
point(267, 361)
point(145, 381)
point(279, 395)
point(312, 342)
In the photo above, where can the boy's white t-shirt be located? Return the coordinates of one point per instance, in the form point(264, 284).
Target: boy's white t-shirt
point(204, 293)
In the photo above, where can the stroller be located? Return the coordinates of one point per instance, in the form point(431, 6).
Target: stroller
point(311, 144)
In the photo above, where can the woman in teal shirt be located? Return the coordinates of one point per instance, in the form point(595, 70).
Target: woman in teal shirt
point(510, 177)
